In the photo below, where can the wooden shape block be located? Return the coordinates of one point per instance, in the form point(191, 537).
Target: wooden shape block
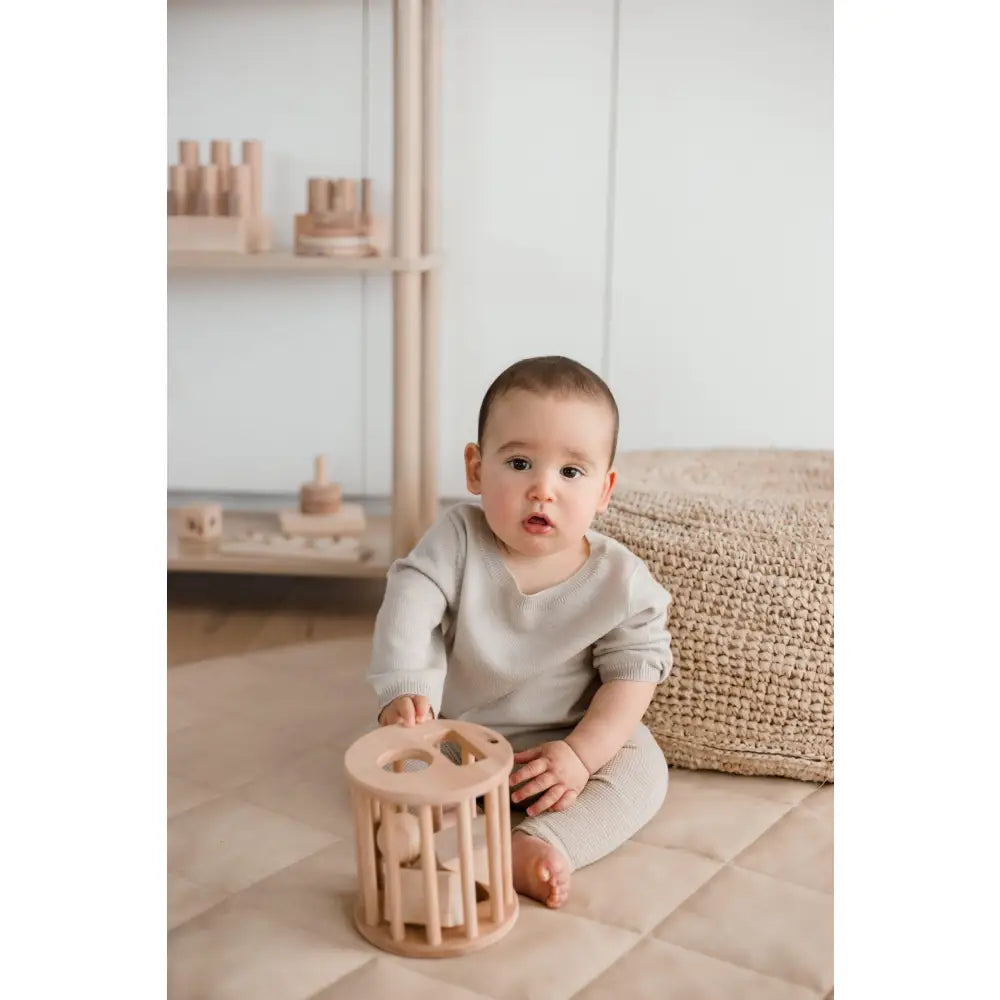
point(411, 884)
point(349, 520)
point(446, 843)
point(405, 828)
point(201, 522)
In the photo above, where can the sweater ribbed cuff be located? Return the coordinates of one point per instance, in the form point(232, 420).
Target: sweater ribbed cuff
point(634, 670)
point(403, 684)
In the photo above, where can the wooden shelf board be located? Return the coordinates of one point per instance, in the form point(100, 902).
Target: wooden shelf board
point(285, 260)
point(186, 557)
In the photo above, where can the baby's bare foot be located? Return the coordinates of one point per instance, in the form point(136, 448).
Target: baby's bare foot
point(539, 869)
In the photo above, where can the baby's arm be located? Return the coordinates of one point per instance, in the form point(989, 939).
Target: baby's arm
point(615, 710)
point(632, 660)
point(408, 659)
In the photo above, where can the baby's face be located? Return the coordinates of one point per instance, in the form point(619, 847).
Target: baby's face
point(543, 470)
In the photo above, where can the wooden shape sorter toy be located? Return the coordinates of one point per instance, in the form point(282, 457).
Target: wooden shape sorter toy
point(217, 206)
point(435, 877)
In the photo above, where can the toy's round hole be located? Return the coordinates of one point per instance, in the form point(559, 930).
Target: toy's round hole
point(493, 739)
point(405, 761)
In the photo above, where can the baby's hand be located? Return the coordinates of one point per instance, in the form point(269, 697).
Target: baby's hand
point(409, 709)
point(552, 768)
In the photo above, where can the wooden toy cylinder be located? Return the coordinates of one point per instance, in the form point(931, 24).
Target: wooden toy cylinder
point(337, 196)
point(221, 157)
point(253, 159)
point(319, 194)
point(348, 195)
point(188, 150)
point(239, 196)
point(177, 200)
point(208, 189)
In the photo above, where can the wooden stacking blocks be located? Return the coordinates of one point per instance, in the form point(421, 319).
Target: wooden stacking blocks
point(336, 225)
point(321, 512)
point(435, 878)
point(200, 522)
point(217, 205)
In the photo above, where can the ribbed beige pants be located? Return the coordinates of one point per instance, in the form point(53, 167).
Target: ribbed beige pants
point(620, 799)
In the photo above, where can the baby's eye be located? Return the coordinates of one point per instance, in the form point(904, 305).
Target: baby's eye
point(571, 472)
point(519, 464)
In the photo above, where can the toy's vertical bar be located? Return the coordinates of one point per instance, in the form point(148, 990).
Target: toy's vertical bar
point(508, 870)
point(465, 864)
point(365, 836)
point(493, 853)
point(393, 892)
point(438, 818)
point(376, 810)
point(433, 914)
point(430, 279)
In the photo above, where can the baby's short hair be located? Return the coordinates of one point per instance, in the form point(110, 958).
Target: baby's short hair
point(551, 375)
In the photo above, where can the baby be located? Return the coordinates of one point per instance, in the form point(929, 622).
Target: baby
point(517, 616)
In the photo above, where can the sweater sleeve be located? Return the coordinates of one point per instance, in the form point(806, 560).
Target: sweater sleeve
point(408, 655)
point(639, 648)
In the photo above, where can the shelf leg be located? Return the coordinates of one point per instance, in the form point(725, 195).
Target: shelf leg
point(406, 527)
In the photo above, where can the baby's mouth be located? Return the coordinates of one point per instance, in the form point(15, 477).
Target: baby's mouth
point(539, 519)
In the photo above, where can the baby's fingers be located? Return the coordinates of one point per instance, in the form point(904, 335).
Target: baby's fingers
point(530, 770)
point(550, 798)
point(523, 756)
point(422, 706)
point(568, 798)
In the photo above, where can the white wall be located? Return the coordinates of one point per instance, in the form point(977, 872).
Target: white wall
point(645, 186)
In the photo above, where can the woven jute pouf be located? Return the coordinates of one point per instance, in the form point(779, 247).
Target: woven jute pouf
point(743, 540)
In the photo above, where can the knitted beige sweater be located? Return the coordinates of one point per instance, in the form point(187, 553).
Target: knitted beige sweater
point(455, 627)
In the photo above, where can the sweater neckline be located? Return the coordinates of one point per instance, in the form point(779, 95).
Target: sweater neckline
point(555, 594)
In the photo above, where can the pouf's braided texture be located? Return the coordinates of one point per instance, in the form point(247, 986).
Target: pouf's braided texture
point(743, 540)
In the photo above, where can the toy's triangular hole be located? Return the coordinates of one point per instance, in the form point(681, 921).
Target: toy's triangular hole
point(458, 749)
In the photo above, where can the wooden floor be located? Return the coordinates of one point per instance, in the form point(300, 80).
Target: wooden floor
point(210, 615)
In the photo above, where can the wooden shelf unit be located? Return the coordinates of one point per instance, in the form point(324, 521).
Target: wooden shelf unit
point(416, 292)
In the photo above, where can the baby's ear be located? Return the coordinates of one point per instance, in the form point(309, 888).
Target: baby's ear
point(609, 487)
point(473, 468)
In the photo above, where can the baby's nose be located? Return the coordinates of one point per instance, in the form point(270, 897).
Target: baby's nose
point(542, 488)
